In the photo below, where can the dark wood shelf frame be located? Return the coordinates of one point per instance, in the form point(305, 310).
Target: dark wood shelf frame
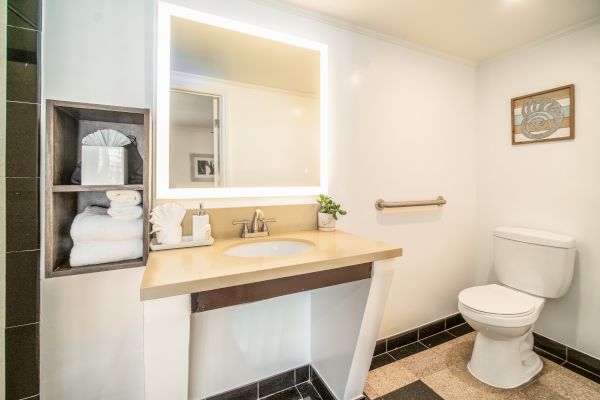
point(66, 122)
point(65, 269)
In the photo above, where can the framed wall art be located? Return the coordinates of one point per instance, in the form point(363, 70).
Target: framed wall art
point(202, 167)
point(544, 116)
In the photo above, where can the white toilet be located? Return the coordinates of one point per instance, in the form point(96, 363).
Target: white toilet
point(531, 266)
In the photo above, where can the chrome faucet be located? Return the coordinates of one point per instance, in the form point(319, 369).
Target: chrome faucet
point(258, 216)
point(255, 231)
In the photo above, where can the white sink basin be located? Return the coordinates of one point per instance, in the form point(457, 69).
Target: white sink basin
point(269, 248)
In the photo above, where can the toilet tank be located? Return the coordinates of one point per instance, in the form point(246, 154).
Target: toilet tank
point(536, 262)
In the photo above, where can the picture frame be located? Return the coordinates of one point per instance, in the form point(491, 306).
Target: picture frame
point(202, 167)
point(543, 116)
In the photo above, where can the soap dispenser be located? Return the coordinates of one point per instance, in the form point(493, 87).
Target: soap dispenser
point(200, 226)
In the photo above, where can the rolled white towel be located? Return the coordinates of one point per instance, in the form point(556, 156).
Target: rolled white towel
point(126, 213)
point(105, 252)
point(128, 196)
point(95, 225)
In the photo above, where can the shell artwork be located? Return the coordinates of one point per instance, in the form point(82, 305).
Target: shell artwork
point(166, 216)
point(542, 117)
point(106, 137)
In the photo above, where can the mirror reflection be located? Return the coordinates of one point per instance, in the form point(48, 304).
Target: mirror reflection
point(244, 110)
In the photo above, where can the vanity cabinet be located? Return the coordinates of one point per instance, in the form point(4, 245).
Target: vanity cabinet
point(66, 124)
point(322, 307)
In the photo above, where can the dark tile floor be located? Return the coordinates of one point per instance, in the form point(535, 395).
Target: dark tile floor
point(303, 391)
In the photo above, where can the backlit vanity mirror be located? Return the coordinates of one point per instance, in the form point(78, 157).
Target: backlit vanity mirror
point(241, 111)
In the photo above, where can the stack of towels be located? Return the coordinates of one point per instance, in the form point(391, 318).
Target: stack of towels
point(102, 235)
point(125, 204)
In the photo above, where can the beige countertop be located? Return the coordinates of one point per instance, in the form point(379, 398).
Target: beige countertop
point(197, 269)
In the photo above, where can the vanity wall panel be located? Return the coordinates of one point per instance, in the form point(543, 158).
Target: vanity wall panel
point(290, 218)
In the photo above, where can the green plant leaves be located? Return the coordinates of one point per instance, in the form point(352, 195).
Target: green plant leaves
point(328, 206)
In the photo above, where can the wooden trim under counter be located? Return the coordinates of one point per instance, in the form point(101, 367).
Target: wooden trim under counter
point(251, 292)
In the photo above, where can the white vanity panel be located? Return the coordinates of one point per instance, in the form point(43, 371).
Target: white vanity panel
point(345, 321)
point(230, 347)
point(166, 347)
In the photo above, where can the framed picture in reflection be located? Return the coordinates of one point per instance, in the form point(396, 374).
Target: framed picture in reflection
point(202, 167)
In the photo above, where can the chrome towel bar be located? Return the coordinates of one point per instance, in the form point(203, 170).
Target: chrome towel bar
point(380, 204)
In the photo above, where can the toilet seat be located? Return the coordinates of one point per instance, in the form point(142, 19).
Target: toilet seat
point(498, 300)
point(499, 305)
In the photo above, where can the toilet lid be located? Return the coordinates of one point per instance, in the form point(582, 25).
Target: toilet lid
point(498, 300)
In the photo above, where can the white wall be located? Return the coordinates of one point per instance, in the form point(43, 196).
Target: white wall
point(402, 127)
point(550, 186)
point(91, 325)
point(91, 340)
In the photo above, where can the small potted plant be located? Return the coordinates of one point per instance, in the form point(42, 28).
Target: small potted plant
point(328, 213)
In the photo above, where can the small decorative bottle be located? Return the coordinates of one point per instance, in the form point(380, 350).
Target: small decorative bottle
point(200, 225)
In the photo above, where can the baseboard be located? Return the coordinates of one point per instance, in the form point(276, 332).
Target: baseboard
point(452, 324)
point(570, 358)
point(408, 343)
point(305, 380)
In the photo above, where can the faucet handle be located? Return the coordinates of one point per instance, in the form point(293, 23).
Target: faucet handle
point(264, 223)
point(245, 228)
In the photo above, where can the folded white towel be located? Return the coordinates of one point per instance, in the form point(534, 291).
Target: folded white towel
point(95, 225)
point(104, 252)
point(126, 213)
point(124, 196)
point(123, 203)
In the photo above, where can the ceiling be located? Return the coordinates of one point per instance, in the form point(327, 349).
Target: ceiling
point(474, 30)
point(220, 53)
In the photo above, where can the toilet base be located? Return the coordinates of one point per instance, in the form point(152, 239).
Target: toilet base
point(504, 364)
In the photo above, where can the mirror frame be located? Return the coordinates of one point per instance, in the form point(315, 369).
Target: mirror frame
point(162, 90)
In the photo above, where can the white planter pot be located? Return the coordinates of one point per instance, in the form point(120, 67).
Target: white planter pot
point(326, 222)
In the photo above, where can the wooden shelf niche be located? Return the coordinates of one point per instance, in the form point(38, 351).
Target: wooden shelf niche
point(66, 124)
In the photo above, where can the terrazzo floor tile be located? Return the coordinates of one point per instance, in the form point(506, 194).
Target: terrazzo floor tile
point(456, 383)
point(570, 385)
point(391, 377)
point(442, 370)
point(370, 392)
point(536, 390)
point(424, 363)
point(457, 351)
